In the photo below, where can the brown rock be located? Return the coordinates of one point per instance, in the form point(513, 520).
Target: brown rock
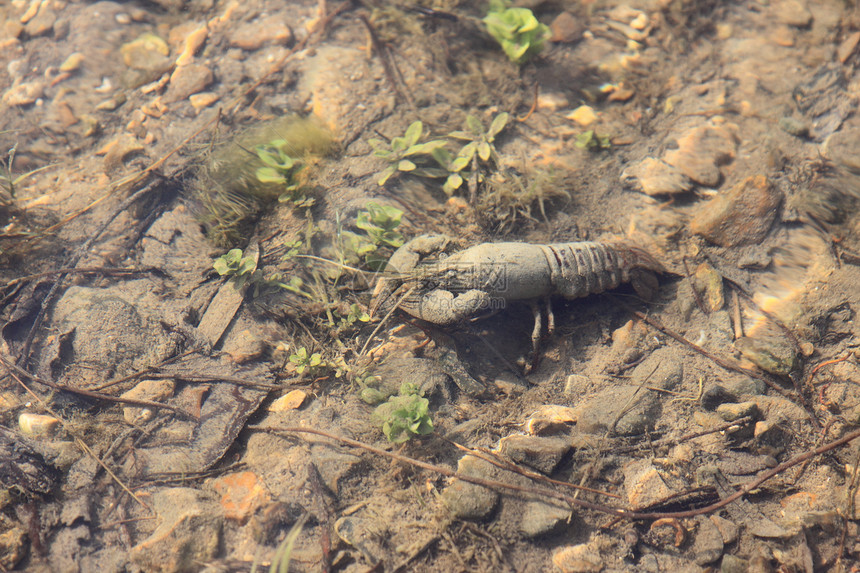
point(659, 178)
point(566, 28)
point(187, 80)
point(254, 35)
point(742, 216)
point(793, 13)
point(847, 47)
point(644, 484)
point(42, 23)
point(154, 390)
point(23, 94)
point(241, 495)
point(701, 151)
point(578, 559)
point(188, 532)
point(13, 547)
point(543, 454)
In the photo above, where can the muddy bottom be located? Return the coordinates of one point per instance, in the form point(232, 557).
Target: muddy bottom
point(276, 290)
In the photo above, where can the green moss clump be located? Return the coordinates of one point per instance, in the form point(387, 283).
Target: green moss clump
point(232, 187)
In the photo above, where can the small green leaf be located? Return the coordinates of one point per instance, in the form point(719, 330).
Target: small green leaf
point(468, 151)
point(399, 145)
point(413, 133)
point(405, 165)
point(460, 163)
point(442, 156)
point(386, 174)
point(499, 123)
point(474, 124)
point(270, 175)
point(484, 150)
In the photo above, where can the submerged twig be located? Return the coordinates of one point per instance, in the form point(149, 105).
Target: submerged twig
point(24, 357)
point(12, 369)
point(78, 440)
point(614, 511)
point(727, 364)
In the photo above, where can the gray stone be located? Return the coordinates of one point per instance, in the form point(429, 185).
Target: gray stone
point(631, 409)
point(188, 531)
point(466, 500)
point(599, 413)
point(714, 396)
point(101, 333)
point(729, 530)
point(541, 518)
point(732, 564)
point(542, 454)
point(708, 545)
point(744, 385)
point(736, 411)
point(768, 529)
point(426, 374)
point(333, 466)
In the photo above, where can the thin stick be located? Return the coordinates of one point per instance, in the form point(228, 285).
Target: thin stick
point(615, 511)
point(12, 368)
point(78, 441)
point(383, 321)
point(79, 254)
point(83, 271)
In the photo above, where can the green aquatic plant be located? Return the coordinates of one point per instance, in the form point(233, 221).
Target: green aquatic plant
point(380, 223)
point(592, 141)
point(511, 198)
point(239, 268)
point(303, 360)
point(405, 415)
point(402, 152)
point(274, 160)
point(517, 31)
point(480, 146)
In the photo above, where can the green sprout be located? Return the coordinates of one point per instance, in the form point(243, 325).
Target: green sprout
point(304, 361)
point(281, 169)
point(517, 30)
point(233, 264)
point(405, 415)
point(380, 222)
point(355, 314)
point(402, 152)
point(479, 146)
point(592, 141)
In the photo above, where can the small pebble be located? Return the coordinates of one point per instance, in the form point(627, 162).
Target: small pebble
point(578, 559)
point(795, 127)
point(583, 115)
point(290, 401)
point(566, 28)
point(736, 411)
point(72, 63)
point(38, 425)
point(24, 94)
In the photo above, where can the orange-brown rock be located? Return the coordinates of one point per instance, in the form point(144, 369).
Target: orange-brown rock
point(742, 216)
